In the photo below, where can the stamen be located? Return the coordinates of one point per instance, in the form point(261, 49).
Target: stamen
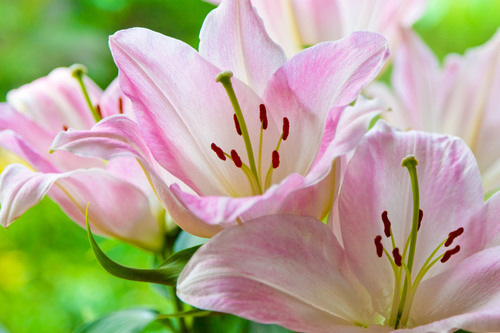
point(387, 224)
point(218, 151)
point(286, 128)
point(420, 216)
point(452, 235)
point(397, 256)
point(120, 105)
point(237, 124)
point(263, 116)
point(236, 158)
point(65, 128)
point(98, 110)
point(276, 159)
point(447, 255)
point(379, 246)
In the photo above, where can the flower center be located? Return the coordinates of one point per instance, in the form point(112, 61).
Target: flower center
point(402, 264)
point(253, 171)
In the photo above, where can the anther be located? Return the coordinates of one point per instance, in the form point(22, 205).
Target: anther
point(286, 128)
point(218, 151)
point(120, 105)
point(98, 110)
point(236, 158)
point(420, 216)
point(379, 246)
point(447, 255)
point(452, 235)
point(65, 128)
point(397, 256)
point(276, 159)
point(387, 224)
point(263, 116)
point(237, 124)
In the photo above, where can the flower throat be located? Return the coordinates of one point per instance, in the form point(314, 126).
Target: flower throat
point(402, 263)
point(253, 171)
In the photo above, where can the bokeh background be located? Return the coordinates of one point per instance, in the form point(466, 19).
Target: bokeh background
point(49, 279)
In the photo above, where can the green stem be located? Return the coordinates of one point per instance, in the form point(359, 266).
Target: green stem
point(225, 79)
point(179, 308)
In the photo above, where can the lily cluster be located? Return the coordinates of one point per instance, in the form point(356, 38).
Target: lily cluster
point(316, 223)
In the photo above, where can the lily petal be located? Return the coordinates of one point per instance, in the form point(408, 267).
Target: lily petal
point(56, 100)
point(23, 137)
point(117, 208)
point(119, 136)
point(308, 86)
point(280, 269)
point(466, 296)
point(233, 38)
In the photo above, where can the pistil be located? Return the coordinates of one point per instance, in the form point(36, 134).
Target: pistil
point(78, 71)
point(225, 79)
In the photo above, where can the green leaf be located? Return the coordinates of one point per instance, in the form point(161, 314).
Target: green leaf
point(166, 274)
point(128, 321)
point(191, 313)
point(233, 324)
point(462, 331)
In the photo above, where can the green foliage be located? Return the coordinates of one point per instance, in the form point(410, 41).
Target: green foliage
point(128, 321)
point(166, 274)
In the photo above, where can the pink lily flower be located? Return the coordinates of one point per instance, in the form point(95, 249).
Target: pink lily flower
point(295, 24)
point(459, 99)
point(122, 204)
point(260, 142)
point(399, 264)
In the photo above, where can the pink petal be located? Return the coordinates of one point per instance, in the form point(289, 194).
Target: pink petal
point(308, 86)
point(233, 38)
point(471, 109)
point(450, 197)
point(465, 296)
point(55, 101)
point(117, 208)
point(176, 99)
point(28, 140)
point(117, 137)
point(280, 269)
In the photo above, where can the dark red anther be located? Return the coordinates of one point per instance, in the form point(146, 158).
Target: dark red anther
point(236, 158)
point(452, 235)
point(276, 159)
point(237, 124)
point(379, 246)
point(286, 128)
point(420, 216)
point(263, 115)
point(98, 110)
point(397, 256)
point(218, 151)
point(120, 105)
point(387, 224)
point(65, 128)
point(449, 253)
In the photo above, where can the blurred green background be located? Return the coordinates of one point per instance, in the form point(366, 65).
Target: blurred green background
point(49, 279)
